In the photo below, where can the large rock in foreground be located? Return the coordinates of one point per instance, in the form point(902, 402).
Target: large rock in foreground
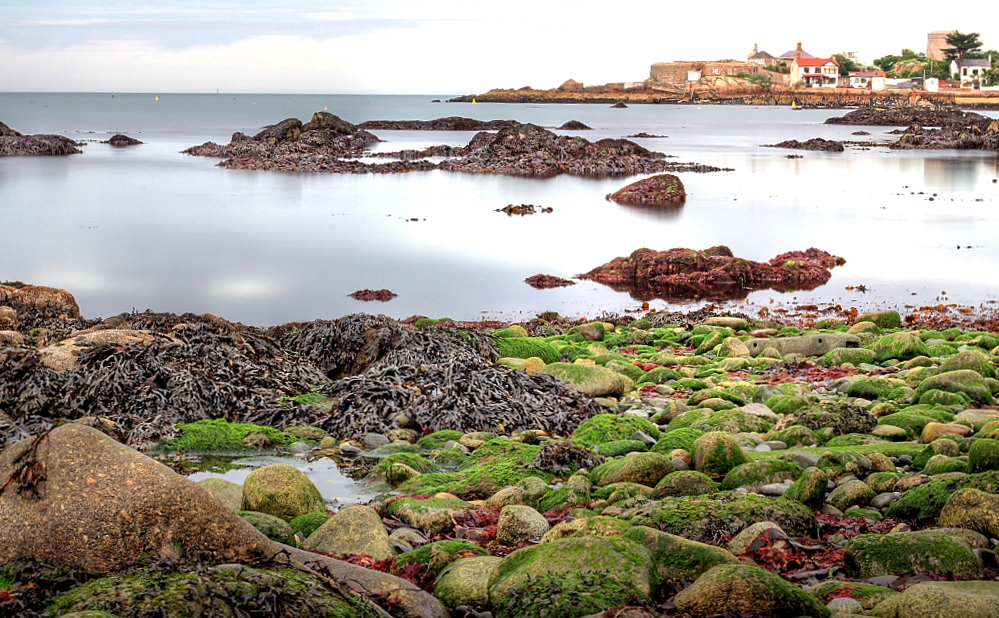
point(975, 599)
point(13, 144)
point(747, 590)
point(84, 501)
point(663, 189)
point(714, 273)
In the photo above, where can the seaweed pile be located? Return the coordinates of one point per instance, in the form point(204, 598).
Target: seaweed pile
point(330, 144)
point(189, 367)
point(14, 144)
point(683, 274)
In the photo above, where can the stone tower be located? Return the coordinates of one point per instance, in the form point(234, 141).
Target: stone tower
point(936, 42)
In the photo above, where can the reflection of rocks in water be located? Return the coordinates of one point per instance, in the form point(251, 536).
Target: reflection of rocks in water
point(713, 274)
point(655, 211)
point(951, 173)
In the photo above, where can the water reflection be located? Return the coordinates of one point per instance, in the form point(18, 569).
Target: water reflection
point(666, 212)
point(951, 174)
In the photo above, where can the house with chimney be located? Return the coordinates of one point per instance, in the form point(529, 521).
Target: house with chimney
point(971, 69)
point(814, 72)
point(761, 58)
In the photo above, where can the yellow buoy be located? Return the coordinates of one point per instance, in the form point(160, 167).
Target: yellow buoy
point(157, 98)
point(474, 102)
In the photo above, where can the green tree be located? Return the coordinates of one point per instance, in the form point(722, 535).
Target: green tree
point(846, 65)
point(961, 45)
point(887, 63)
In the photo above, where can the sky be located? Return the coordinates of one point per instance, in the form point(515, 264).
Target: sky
point(418, 47)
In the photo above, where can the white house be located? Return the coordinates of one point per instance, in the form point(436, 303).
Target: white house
point(815, 72)
point(971, 69)
point(870, 80)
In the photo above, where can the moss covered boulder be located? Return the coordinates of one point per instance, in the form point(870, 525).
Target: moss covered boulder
point(570, 595)
point(712, 518)
point(587, 526)
point(683, 483)
point(466, 582)
point(594, 381)
point(304, 525)
point(974, 510)
point(676, 557)
point(973, 359)
point(221, 436)
point(237, 591)
point(717, 452)
point(853, 356)
point(604, 428)
point(281, 490)
point(642, 468)
point(747, 590)
point(966, 381)
point(354, 530)
point(810, 488)
point(899, 346)
point(274, 528)
point(227, 492)
point(617, 559)
point(527, 347)
point(882, 319)
point(435, 557)
point(430, 514)
point(519, 524)
point(871, 555)
point(851, 493)
point(868, 595)
point(756, 474)
point(975, 599)
point(984, 455)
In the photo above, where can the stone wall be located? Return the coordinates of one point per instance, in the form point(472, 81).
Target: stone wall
point(676, 72)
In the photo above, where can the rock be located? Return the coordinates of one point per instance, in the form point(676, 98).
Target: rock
point(901, 346)
point(683, 483)
point(845, 605)
point(619, 105)
point(677, 558)
point(281, 490)
point(354, 530)
point(451, 123)
point(868, 595)
point(575, 125)
point(36, 145)
point(961, 381)
point(812, 345)
point(974, 359)
point(643, 468)
point(972, 509)
point(717, 452)
point(433, 515)
point(274, 528)
point(10, 337)
point(742, 541)
point(816, 143)
point(227, 492)
point(600, 525)
point(103, 505)
point(571, 85)
point(974, 599)
point(850, 493)
point(746, 590)
point(40, 298)
point(624, 561)
point(8, 319)
point(984, 455)
point(712, 274)
point(65, 354)
point(870, 555)
point(594, 381)
point(519, 524)
point(466, 582)
point(756, 474)
point(663, 189)
point(120, 141)
point(305, 525)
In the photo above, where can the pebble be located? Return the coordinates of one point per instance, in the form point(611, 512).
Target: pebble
point(763, 448)
point(680, 464)
point(806, 460)
point(351, 450)
point(774, 489)
point(882, 500)
point(846, 605)
point(641, 436)
point(776, 445)
point(374, 440)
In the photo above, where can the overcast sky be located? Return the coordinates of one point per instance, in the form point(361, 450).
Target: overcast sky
point(422, 47)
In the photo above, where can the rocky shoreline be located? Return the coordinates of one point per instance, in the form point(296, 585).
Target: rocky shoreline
point(14, 144)
point(671, 465)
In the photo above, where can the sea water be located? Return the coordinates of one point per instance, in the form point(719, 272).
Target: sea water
point(146, 227)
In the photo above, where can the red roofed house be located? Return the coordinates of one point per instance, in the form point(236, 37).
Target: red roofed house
point(815, 72)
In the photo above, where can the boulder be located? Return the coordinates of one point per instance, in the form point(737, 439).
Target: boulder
point(102, 505)
point(745, 539)
point(871, 555)
point(642, 468)
point(850, 493)
point(274, 528)
point(519, 524)
point(717, 452)
point(966, 381)
point(663, 189)
point(812, 345)
point(227, 492)
point(974, 359)
point(975, 599)
point(900, 346)
point(466, 582)
point(40, 298)
point(972, 509)
point(594, 381)
point(676, 557)
point(354, 530)
point(587, 526)
point(683, 483)
point(747, 590)
point(281, 490)
point(65, 354)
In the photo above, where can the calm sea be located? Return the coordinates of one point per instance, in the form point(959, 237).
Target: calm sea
point(147, 227)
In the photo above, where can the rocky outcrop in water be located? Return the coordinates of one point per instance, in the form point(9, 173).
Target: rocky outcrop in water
point(714, 274)
point(905, 116)
point(121, 140)
point(575, 125)
point(370, 295)
point(816, 143)
point(661, 189)
point(547, 282)
point(968, 137)
point(451, 123)
point(14, 144)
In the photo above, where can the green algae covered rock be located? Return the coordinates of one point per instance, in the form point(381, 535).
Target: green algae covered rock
point(588, 526)
point(788, 404)
point(609, 427)
point(914, 418)
point(853, 356)
point(984, 455)
point(747, 590)
point(737, 421)
point(436, 556)
point(227, 492)
point(682, 438)
point(415, 462)
point(973, 359)
point(683, 483)
point(659, 375)
point(900, 346)
point(868, 595)
point(796, 436)
point(717, 452)
point(691, 419)
point(882, 319)
point(643, 468)
point(966, 381)
point(281, 490)
point(756, 474)
point(466, 582)
point(973, 510)
point(591, 380)
point(569, 595)
point(430, 514)
point(354, 530)
point(575, 492)
point(274, 528)
point(711, 518)
point(871, 555)
point(809, 489)
point(304, 525)
point(237, 590)
point(942, 464)
point(676, 557)
point(618, 448)
point(625, 562)
point(527, 347)
point(850, 493)
point(438, 439)
point(519, 524)
point(221, 436)
point(974, 599)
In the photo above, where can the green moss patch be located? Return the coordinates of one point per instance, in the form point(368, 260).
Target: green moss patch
point(221, 436)
point(609, 427)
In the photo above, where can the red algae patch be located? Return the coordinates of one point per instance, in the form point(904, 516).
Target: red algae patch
point(661, 189)
point(369, 295)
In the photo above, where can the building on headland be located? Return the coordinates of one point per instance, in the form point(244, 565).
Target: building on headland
point(789, 56)
point(936, 42)
point(683, 72)
point(971, 70)
point(870, 80)
point(815, 72)
point(761, 58)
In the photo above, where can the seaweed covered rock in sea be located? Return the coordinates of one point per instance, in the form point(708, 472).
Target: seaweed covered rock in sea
point(816, 143)
point(545, 282)
point(661, 189)
point(971, 136)
point(14, 144)
point(120, 140)
point(905, 116)
point(714, 273)
point(451, 123)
